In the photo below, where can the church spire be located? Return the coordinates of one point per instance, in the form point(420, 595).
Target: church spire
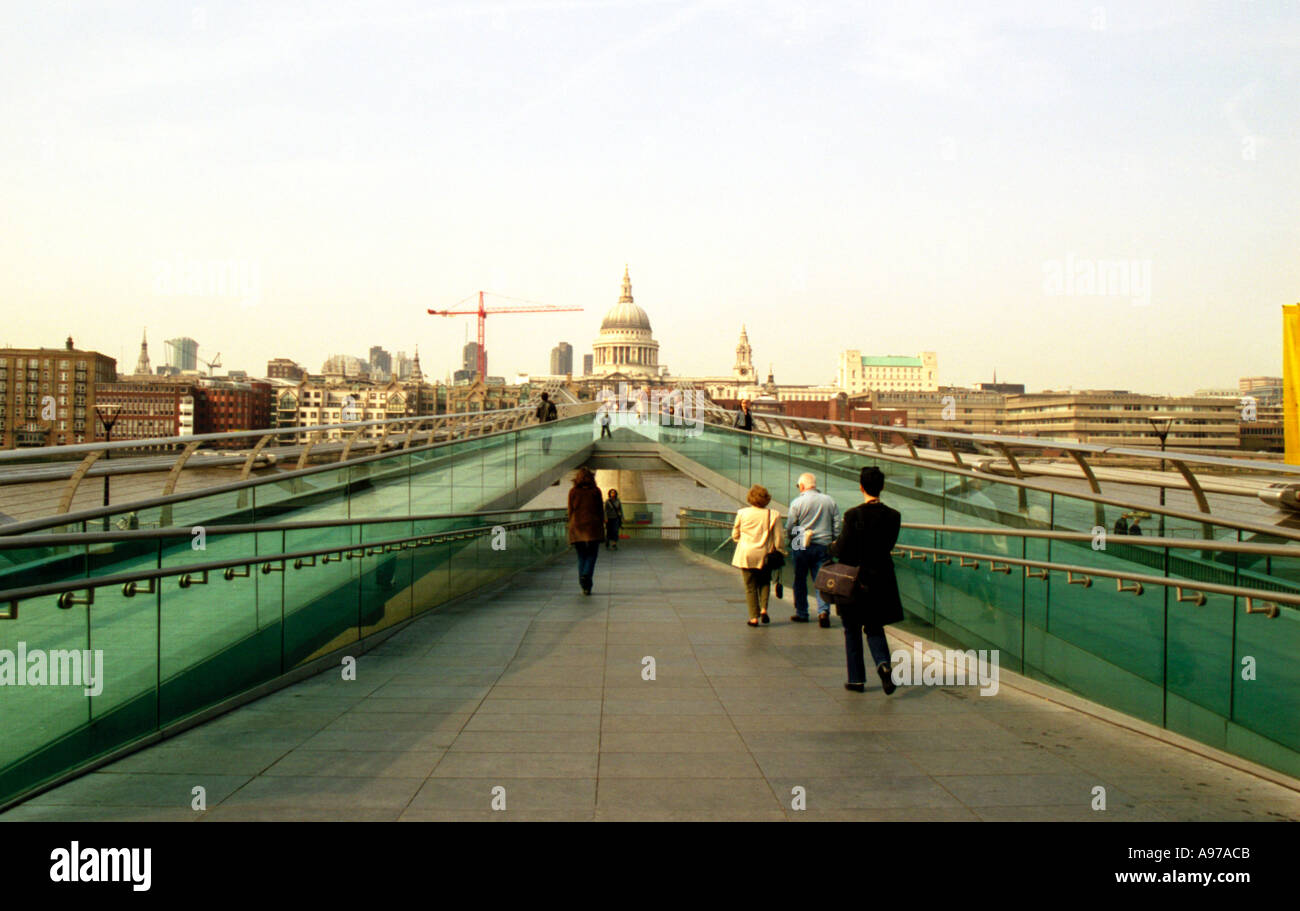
point(744, 368)
point(627, 287)
point(142, 365)
point(417, 375)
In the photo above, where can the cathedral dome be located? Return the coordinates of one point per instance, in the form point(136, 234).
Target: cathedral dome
point(625, 315)
point(625, 345)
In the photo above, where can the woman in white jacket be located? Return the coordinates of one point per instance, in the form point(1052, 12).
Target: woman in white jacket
point(757, 533)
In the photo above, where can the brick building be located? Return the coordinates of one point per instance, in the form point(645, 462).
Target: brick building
point(48, 395)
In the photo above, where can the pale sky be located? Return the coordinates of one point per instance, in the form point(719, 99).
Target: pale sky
point(893, 177)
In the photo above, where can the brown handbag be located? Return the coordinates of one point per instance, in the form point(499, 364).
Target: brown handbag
point(837, 583)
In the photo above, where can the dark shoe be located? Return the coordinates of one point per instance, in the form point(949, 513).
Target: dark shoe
point(764, 617)
point(885, 672)
point(795, 618)
point(586, 591)
point(856, 687)
point(824, 621)
point(753, 623)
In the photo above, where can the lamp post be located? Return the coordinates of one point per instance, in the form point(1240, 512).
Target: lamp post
point(108, 415)
point(1162, 434)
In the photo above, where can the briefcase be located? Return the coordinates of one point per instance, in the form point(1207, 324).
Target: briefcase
point(836, 583)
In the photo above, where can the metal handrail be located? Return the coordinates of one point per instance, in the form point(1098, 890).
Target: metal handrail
point(1273, 550)
point(964, 471)
point(1154, 455)
point(15, 595)
point(22, 455)
point(1238, 591)
point(1252, 594)
point(98, 512)
point(184, 531)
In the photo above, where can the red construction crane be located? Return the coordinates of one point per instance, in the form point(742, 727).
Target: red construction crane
point(483, 314)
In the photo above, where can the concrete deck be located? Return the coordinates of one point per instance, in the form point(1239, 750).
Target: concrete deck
point(539, 690)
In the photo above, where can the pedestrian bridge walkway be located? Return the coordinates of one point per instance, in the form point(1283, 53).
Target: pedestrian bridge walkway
point(235, 595)
point(539, 691)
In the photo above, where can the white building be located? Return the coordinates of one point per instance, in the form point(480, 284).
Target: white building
point(626, 345)
point(860, 373)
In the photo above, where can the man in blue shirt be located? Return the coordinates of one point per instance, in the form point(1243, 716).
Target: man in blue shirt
point(814, 522)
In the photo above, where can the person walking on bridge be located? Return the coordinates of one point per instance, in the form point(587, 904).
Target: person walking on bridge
point(813, 524)
point(744, 422)
point(586, 524)
point(613, 519)
point(757, 533)
point(546, 412)
point(869, 535)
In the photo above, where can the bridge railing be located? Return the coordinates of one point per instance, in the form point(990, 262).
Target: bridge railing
point(483, 456)
point(299, 446)
point(1198, 636)
point(776, 461)
point(115, 661)
point(960, 447)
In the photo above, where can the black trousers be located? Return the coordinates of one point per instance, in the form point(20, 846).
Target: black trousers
point(856, 625)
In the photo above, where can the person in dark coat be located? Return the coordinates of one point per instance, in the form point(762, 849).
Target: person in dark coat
point(1121, 526)
point(869, 534)
point(586, 524)
point(744, 421)
point(613, 519)
point(546, 412)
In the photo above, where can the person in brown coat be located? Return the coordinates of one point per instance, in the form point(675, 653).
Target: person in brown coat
point(586, 524)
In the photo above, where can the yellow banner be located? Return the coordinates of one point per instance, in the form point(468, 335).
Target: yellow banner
point(1291, 381)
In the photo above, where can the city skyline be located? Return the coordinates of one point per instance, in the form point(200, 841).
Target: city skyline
point(1067, 196)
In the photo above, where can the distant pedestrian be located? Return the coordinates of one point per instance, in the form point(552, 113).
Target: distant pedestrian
point(1134, 528)
point(757, 533)
point(744, 421)
point(546, 413)
point(613, 519)
point(813, 524)
point(604, 424)
point(586, 524)
point(1121, 526)
point(869, 535)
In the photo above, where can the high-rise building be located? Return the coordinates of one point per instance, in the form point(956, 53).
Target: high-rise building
point(469, 358)
point(381, 363)
point(587, 364)
point(48, 395)
point(403, 366)
point(183, 353)
point(562, 359)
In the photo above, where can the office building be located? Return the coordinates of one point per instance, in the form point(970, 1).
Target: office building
point(562, 359)
point(48, 395)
